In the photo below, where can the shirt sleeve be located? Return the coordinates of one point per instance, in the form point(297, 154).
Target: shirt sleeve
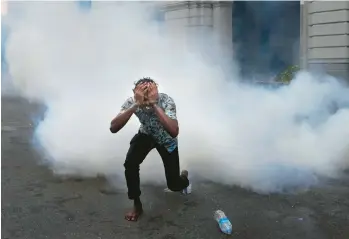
point(126, 105)
point(170, 109)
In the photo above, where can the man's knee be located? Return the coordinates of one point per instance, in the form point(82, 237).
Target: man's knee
point(177, 183)
point(173, 186)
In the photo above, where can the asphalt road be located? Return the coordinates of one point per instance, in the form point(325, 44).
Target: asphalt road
point(36, 204)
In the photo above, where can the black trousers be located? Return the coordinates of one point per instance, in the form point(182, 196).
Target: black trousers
point(140, 146)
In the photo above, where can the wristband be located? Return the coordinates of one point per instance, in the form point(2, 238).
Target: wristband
point(135, 105)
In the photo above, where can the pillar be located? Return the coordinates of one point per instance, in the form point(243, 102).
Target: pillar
point(188, 20)
point(222, 25)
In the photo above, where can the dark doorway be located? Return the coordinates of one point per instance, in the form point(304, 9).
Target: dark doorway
point(266, 36)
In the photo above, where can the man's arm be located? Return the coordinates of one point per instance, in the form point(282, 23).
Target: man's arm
point(127, 110)
point(168, 117)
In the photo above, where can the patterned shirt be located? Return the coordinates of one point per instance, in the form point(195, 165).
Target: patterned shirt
point(150, 123)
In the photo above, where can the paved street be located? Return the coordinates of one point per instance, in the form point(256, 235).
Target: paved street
point(36, 204)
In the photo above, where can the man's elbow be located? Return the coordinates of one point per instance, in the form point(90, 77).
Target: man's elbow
point(175, 132)
point(113, 130)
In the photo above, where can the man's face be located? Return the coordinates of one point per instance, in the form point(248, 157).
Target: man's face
point(148, 84)
point(147, 91)
point(146, 96)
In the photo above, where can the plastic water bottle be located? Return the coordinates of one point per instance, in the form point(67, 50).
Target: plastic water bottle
point(223, 222)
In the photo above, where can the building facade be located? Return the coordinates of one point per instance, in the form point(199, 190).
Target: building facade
point(324, 30)
point(325, 37)
point(323, 42)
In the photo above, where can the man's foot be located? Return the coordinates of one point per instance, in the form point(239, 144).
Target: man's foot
point(135, 213)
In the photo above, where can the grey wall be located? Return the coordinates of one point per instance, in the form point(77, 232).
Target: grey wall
point(325, 37)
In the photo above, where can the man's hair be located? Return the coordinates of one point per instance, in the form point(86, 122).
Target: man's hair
point(144, 80)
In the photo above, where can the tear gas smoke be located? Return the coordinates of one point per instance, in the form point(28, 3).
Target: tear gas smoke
point(82, 65)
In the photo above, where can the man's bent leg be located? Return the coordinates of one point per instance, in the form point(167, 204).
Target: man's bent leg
point(175, 180)
point(140, 146)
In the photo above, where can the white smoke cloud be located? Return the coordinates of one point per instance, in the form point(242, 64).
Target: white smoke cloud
point(82, 65)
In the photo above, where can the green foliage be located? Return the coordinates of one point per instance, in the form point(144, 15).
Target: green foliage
point(287, 75)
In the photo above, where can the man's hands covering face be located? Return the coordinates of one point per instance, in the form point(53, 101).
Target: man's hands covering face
point(146, 94)
point(153, 94)
point(139, 93)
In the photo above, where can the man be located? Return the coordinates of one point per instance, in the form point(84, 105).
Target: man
point(159, 129)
